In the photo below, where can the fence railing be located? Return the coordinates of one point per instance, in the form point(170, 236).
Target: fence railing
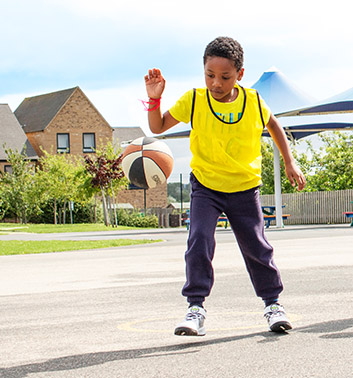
point(303, 207)
point(314, 207)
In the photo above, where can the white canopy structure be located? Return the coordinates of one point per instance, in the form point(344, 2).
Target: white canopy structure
point(280, 95)
point(338, 104)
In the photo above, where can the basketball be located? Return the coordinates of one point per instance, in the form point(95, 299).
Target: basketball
point(147, 162)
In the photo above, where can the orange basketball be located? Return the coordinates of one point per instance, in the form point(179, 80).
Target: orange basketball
point(147, 162)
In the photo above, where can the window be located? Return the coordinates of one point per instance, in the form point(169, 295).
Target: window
point(63, 143)
point(8, 169)
point(89, 142)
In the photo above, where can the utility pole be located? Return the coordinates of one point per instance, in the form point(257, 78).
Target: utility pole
point(144, 202)
point(181, 193)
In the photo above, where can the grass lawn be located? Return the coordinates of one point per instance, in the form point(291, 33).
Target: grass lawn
point(18, 247)
point(51, 228)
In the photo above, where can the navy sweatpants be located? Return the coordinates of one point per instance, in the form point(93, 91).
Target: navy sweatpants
point(244, 213)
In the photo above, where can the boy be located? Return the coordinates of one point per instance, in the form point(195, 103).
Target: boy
point(227, 122)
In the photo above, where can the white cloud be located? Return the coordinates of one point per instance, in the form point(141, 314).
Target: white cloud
point(105, 47)
point(121, 106)
point(182, 157)
point(13, 100)
point(108, 43)
point(274, 17)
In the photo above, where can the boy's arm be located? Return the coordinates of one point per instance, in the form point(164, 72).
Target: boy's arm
point(277, 133)
point(155, 84)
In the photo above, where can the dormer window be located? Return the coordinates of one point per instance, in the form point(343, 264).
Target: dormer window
point(8, 169)
point(89, 142)
point(63, 143)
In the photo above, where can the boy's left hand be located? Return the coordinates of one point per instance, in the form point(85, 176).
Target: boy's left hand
point(295, 175)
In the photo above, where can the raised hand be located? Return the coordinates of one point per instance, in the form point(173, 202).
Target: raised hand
point(155, 83)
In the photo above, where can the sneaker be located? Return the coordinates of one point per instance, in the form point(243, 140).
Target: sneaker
point(276, 318)
point(193, 325)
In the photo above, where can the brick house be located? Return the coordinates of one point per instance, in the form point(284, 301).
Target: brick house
point(63, 121)
point(13, 137)
point(125, 135)
point(67, 122)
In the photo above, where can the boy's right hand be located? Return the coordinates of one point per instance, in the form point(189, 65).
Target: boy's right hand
point(155, 83)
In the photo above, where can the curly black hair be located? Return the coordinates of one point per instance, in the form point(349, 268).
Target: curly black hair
point(225, 47)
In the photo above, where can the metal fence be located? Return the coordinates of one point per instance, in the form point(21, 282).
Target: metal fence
point(314, 207)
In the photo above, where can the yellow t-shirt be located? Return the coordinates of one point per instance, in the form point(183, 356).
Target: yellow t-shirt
point(225, 138)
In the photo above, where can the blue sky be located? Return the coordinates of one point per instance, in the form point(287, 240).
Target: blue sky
point(107, 46)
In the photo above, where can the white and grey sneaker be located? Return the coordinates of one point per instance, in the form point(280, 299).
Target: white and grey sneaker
point(193, 325)
point(276, 318)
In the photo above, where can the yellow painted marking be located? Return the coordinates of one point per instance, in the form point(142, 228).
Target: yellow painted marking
point(133, 326)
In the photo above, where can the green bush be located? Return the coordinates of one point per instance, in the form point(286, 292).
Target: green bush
point(3, 210)
point(85, 214)
point(136, 219)
point(80, 214)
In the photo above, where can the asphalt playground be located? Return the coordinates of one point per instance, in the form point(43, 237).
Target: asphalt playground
point(112, 312)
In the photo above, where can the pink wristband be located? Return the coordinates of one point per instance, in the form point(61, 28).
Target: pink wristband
point(152, 101)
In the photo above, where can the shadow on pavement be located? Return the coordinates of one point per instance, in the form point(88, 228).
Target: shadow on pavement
point(331, 329)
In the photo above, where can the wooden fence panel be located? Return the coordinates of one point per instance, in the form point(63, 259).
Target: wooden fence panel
point(314, 207)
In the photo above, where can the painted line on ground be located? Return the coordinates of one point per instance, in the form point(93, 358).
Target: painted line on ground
point(134, 326)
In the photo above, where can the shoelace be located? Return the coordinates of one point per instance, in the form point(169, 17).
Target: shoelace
point(269, 314)
point(193, 315)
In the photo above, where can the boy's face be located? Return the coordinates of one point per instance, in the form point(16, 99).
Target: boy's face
point(221, 76)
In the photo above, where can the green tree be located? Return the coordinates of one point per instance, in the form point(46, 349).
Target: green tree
point(3, 204)
point(18, 189)
point(173, 192)
point(331, 166)
point(268, 186)
point(59, 181)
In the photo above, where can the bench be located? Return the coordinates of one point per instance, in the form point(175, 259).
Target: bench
point(220, 219)
point(349, 214)
point(269, 214)
point(223, 219)
point(269, 218)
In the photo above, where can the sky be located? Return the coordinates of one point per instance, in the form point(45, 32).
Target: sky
point(106, 47)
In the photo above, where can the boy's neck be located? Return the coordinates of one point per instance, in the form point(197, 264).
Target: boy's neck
point(233, 96)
